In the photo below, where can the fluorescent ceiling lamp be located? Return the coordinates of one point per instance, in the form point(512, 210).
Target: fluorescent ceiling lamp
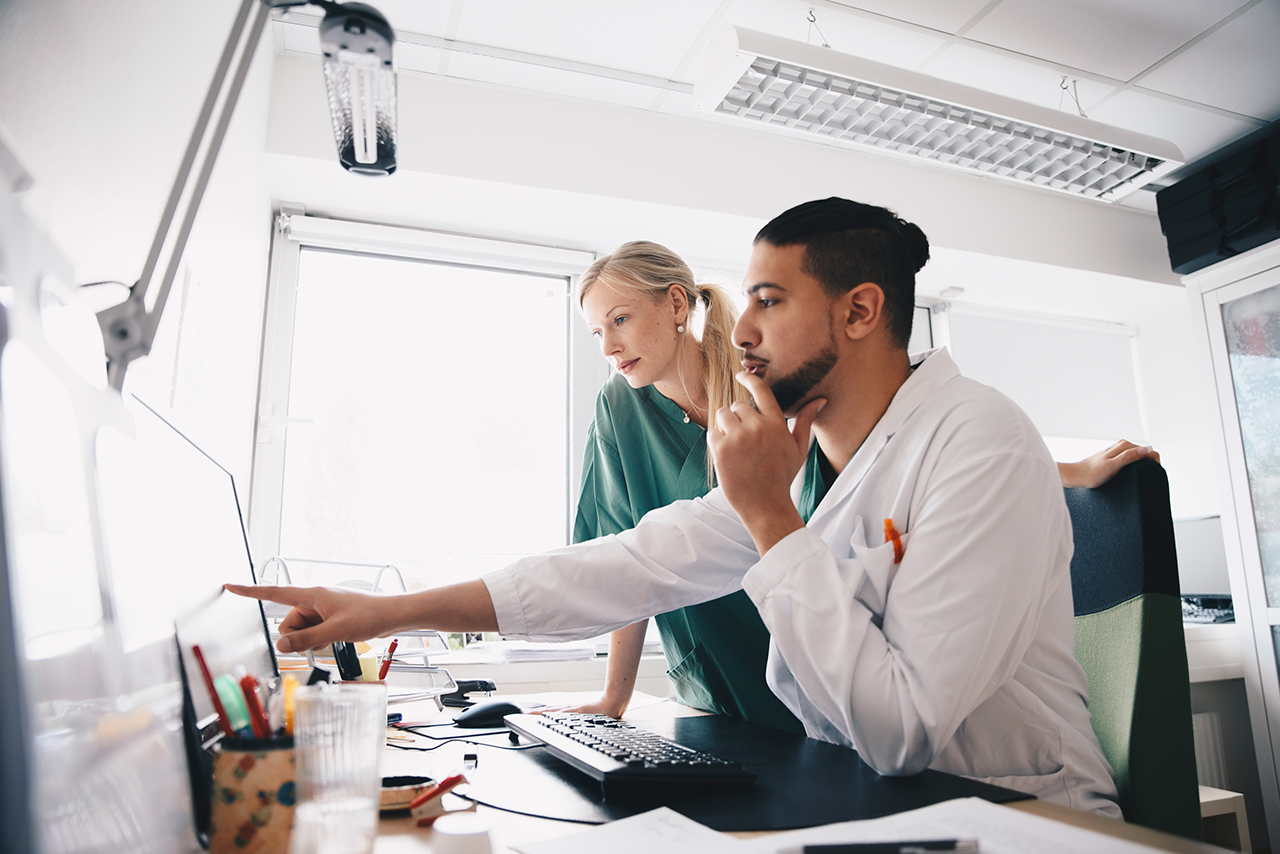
point(816, 91)
point(359, 74)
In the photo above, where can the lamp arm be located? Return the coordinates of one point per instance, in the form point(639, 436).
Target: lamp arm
point(129, 329)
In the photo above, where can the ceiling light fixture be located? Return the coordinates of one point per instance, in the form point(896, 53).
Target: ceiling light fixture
point(857, 102)
point(359, 73)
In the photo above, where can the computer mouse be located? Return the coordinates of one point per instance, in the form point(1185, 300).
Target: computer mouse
point(487, 714)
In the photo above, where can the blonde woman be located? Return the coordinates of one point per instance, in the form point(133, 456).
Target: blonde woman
point(646, 448)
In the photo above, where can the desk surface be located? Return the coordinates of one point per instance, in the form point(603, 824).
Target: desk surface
point(402, 836)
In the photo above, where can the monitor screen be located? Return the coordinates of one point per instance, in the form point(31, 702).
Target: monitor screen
point(1202, 557)
point(175, 536)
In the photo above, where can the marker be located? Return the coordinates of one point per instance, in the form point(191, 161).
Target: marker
point(257, 717)
point(386, 662)
point(224, 723)
point(290, 703)
point(348, 663)
point(233, 701)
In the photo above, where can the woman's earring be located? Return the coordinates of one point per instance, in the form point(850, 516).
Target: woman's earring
point(679, 329)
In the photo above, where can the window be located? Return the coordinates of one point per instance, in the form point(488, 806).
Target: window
point(1081, 404)
point(416, 401)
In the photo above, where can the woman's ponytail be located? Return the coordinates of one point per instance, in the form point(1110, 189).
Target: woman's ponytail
point(721, 360)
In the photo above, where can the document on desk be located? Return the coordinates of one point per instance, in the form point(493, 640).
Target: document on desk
point(515, 651)
point(997, 829)
point(662, 830)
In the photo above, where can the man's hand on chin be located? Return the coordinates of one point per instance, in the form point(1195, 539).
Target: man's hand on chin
point(757, 457)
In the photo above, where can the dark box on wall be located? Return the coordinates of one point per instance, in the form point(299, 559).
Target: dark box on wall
point(1228, 207)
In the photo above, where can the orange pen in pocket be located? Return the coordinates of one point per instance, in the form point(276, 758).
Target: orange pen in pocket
point(891, 535)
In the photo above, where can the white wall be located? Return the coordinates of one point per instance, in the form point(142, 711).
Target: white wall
point(98, 100)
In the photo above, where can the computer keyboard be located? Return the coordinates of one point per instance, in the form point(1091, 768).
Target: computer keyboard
point(628, 761)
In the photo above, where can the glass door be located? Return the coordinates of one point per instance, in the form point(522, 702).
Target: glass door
point(1242, 322)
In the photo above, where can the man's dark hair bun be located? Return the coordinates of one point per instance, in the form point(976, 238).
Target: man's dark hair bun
point(917, 245)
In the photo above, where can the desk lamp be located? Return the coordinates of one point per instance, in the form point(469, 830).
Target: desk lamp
point(359, 73)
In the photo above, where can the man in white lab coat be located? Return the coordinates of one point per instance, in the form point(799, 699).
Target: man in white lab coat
point(911, 562)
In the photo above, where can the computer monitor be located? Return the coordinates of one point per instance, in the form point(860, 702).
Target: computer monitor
point(1202, 557)
point(174, 525)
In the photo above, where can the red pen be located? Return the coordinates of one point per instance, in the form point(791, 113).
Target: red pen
point(257, 717)
point(386, 662)
point(223, 722)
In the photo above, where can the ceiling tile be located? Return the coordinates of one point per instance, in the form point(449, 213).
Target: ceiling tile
point(645, 38)
point(1113, 38)
point(1196, 132)
point(298, 38)
point(1236, 68)
point(945, 15)
point(845, 32)
point(1014, 78)
point(519, 75)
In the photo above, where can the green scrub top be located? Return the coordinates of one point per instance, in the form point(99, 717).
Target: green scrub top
point(642, 454)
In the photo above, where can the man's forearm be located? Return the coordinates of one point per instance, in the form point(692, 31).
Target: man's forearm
point(465, 607)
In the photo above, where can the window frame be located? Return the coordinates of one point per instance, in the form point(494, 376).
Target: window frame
point(294, 231)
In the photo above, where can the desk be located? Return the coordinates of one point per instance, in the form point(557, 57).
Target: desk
point(402, 836)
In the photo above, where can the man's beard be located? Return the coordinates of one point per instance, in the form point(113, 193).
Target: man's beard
point(791, 389)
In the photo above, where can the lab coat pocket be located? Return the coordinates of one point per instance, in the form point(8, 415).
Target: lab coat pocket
point(1051, 786)
point(879, 567)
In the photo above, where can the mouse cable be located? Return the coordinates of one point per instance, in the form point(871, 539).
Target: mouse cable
point(463, 736)
point(443, 742)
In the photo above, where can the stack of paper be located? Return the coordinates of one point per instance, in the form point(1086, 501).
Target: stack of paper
point(511, 651)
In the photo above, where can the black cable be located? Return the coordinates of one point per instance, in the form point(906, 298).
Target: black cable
point(443, 742)
point(460, 737)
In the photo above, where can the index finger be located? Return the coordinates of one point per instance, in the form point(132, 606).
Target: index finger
point(766, 403)
point(282, 595)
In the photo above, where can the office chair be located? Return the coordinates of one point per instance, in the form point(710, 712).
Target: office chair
point(1129, 640)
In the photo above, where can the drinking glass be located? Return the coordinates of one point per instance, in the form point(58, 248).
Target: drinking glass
point(340, 733)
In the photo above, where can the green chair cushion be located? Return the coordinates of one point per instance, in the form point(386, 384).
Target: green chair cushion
point(1135, 658)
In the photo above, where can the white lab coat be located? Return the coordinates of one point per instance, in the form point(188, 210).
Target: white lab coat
point(959, 658)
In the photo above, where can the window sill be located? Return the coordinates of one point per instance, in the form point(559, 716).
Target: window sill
point(533, 677)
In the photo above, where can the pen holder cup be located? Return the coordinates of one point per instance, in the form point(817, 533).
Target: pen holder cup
point(254, 789)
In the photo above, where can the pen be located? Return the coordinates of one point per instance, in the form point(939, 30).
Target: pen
point(922, 847)
point(891, 535)
point(257, 717)
point(386, 662)
point(223, 721)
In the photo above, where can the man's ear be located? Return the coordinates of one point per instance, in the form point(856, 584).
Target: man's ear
point(860, 310)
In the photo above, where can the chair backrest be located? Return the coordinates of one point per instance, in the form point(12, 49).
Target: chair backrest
point(1129, 640)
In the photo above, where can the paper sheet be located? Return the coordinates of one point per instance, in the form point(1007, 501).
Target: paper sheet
point(662, 830)
point(999, 830)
